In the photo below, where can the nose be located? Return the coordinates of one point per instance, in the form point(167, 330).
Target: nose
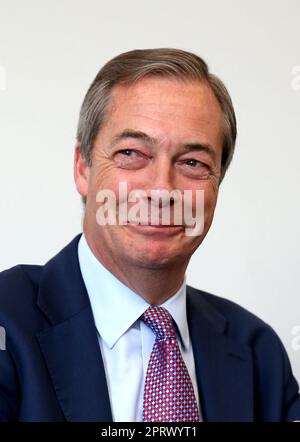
point(161, 179)
point(161, 176)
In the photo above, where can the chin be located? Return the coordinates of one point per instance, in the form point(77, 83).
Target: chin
point(156, 257)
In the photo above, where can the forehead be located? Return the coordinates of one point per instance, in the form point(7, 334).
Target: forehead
point(166, 106)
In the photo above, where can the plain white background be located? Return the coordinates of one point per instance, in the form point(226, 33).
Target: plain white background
point(50, 51)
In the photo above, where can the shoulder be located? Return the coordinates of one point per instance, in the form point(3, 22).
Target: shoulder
point(241, 325)
point(26, 276)
point(275, 387)
point(18, 290)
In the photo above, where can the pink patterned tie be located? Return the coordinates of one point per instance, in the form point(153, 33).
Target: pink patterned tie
point(168, 392)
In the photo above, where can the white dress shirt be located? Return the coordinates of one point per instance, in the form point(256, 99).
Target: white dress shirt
point(125, 341)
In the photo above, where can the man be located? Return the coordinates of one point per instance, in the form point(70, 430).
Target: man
point(108, 329)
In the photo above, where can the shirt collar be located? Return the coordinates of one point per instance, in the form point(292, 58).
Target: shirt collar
point(115, 306)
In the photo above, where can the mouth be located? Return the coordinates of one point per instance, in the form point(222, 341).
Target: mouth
point(156, 228)
point(153, 225)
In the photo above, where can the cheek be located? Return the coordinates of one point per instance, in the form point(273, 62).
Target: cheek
point(209, 188)
point(209, 199)
point(103, 176)
point(111, 177)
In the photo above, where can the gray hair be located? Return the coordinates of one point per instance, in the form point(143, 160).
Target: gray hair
point(134, 65)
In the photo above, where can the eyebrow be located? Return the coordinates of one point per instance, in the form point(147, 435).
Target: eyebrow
point(200, 147)
point(136, 134)
point(187, 147)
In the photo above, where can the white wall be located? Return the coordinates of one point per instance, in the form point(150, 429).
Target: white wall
point(49, 53)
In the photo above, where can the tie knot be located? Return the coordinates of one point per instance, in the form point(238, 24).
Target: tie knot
point(160, 321)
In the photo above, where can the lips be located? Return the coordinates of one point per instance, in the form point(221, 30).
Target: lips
point(155, 225)
point(155, 231)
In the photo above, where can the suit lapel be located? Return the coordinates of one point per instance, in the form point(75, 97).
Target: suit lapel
point(223, 366)
point(70, 345)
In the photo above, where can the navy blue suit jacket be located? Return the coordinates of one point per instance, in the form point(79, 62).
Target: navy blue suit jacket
point(52, 369)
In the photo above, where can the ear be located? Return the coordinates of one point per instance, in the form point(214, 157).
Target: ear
point(81, 172)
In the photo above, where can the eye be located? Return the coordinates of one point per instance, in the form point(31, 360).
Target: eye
point(193, 163)
point(127, 152)
point(195, 168)
point(129, 159)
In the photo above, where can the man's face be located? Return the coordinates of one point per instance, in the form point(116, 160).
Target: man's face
point(151, 141)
